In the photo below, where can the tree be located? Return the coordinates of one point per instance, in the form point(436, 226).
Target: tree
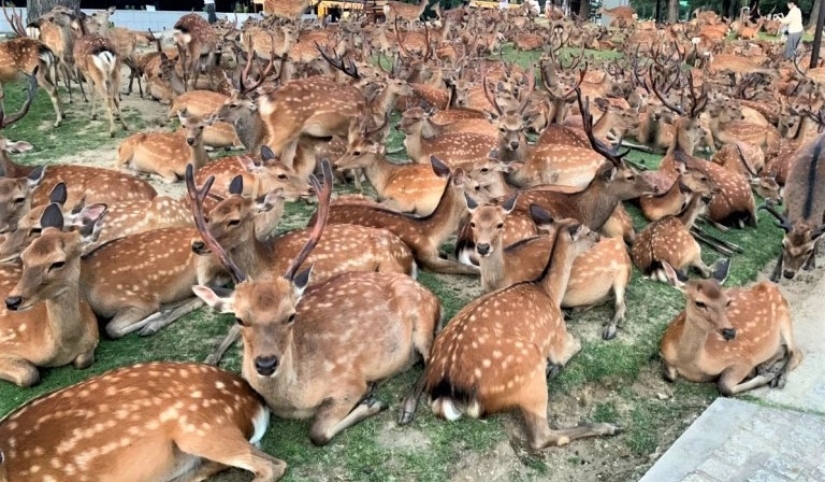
point(37, 8)
point(672, 11)
point(584, 10)
point(814, 14)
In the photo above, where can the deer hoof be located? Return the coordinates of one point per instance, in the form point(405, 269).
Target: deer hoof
point(609, 332)
point(374, 405)
point(406, 418)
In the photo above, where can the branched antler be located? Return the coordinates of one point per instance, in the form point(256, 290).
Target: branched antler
point(783, 221)
point(324, 196)
point(6, 121)
point(611, 154)
point(15, 21)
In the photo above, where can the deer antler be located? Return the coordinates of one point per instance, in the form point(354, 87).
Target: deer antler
point(15, 21)
point(783, 223)
point(345, 66)
point(665, 102)
point(699, 104)
point(32, 89)
point(196, 198)
point(612, 155)
point(490, 96)
point(531, 85)
point(324, 195)
point(245, 87)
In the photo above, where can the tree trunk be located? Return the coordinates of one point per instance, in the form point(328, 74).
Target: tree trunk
point(36, 8)
point(672, 11)
point(584, 10)
point(814, 15)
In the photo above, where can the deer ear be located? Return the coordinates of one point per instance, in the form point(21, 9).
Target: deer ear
point(510, 203)
point(92, 222)
point(36, 177)
point(52, 217)
point(472, 205)
point(493, 154)
point(220, 304)
point(720, 270)
point(236, 185)
point(459, 177)
point(675, 278)
point(183, 114)
point(18, 147)
point(111, 10)
point(607, 173)
point(267, 154)
point(268, 202)
point(540, 216)
point(439, 168)
point(816, 233)
point(301, 281)
point(59, 194)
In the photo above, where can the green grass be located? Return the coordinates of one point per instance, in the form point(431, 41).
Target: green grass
point(616, 381)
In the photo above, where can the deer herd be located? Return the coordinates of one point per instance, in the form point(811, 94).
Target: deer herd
point(518, 167)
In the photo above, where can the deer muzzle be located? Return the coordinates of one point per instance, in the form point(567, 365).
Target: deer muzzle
point(199, 247)
point(266, 365)
point(13, 303)
point(729, 334)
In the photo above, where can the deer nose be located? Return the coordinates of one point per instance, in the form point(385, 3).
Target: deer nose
point(190, 141)
point(13, 302)
point(198, 247)
point(514, 145)
point(483, 249)
point(266, 365)
point(729, 334)
point(789, 274)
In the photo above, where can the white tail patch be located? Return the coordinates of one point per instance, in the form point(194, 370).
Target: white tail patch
point(105, 62)
point(33, 32)
point(260, 423)
point(465, 257)
point(446, 408)
point(47, 58)
point(414, 271)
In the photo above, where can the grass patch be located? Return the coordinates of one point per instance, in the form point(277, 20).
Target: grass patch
point(621, 374)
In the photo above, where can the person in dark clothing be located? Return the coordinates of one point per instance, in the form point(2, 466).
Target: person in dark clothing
point(209, 8)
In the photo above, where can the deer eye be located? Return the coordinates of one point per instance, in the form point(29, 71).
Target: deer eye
point(357, 153)
point(19, 200)
point(730, 302)
point(472, 225)
point(57, 266)
point(234, 223)
point(485, 170)
point(291, 318)
point(499, 225)
point(701, 305)
point(35, 231)
point(282, 177)
point(239, 321)
point(501, 129)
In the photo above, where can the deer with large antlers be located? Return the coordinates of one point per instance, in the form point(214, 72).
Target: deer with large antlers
point(480, 367)
point(289, 356)
point(26, 57)
point(727, 335)
point(169, 417)
point(46, 321)
point(166, 154)
point(804, 218)
point(423, 235)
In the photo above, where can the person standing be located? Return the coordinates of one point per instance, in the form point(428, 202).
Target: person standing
point(795, 28)
point(209, 7)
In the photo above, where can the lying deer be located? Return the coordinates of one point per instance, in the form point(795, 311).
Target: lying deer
point(602, 270)
point(479, 366)
point(160, 436)
point(729, 335)
point(46, 322)
point(387, 318)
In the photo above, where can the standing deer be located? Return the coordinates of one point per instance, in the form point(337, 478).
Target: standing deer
point(494, 354)
point(195, 39)
point(60, 330)
point(394, 10)
point(728, 334)
point(804, 217)
point(308, 357)
point(175, 421)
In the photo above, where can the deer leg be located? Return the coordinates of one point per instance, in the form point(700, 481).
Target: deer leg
point(722, 242)
point(205, 472)
point(51, 89)
point(229, 340)
point(777, 270)
point(444, 266)
point(232, 451)
point(153, 323)
point(730, 382)
point(18, 371)
point(411, 402)
point(84, 360)
point(713, 245)
point(78, 77)
point(336, 414)
point(126, 318)
point(618, 317)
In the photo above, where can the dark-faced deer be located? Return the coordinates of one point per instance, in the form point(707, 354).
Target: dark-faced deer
point(62, 329)
point(308, 357)
point(494, 354)
point(169, 419)
point(727, 335)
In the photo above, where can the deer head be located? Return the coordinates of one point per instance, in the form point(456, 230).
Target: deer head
point(51, 264)
point(487, 223)
point(193, 126)
point(15, 197)
point(707, 301)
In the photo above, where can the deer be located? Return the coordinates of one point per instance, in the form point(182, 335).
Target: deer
point(195, 38)
point(458, 149)
point(46, 321)
point(176, 410)
point(804, 218)
point(391, 320)
point(25, 57)
point(260, 175)
point(394, 10)
point(423, 235)
point(477, 367)
point(729, 334)
point(166, 154)
point(602, 270)
point(673, 200)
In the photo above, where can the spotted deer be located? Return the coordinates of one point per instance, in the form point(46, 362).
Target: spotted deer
point(195, 39)
point(404, 11)
point(387, 321)
point(727, 335)
point(601, 271)
point(261, 175)
point(479, 366)
point(166, 154)
point(804, 218)
point(673, 200)
point(168, 415)
point(26, 57)
point(424, 234)
point(458, 149)
point(46, 321)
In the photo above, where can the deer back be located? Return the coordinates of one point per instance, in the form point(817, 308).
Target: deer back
point(96, 185)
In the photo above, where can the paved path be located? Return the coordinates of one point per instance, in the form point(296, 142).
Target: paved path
point(780, 438)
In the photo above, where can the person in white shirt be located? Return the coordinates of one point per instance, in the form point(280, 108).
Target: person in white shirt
point(209, 7)
point(795, 28)
point(504, 4)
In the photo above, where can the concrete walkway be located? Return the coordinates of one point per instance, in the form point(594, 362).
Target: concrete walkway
point(778, 438)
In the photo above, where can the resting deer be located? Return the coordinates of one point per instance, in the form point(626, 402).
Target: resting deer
point(62, 329)
point(804, 218)
point(394, 10)
point(166, 154)
point(458, 149)
point(159, 436)
point(493, 355)
point(673, 200)
point(260, 176)
point(729, 335)
point(602, 270)
point(423, 235)
point(306, 355)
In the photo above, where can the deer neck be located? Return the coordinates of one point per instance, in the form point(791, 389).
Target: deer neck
point(806, 129)
point(692, 341)
point(605, 122)
point(252, 255)
point(66, 313)
point(681, 143)
point(197, 155)
point(385, 102)
point(691, 212)
point(12, 169)
point(414, 143)
point(428, 129)
point(176, 84)
point(251, 131)
point(492, 268)
point(556, 274)
point(444, 220)
point(379, 173)
point(596, 204)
